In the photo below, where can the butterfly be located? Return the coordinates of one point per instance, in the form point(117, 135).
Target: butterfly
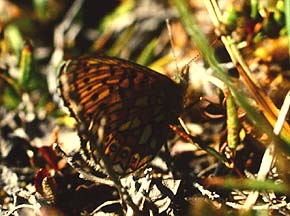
point(130, 104)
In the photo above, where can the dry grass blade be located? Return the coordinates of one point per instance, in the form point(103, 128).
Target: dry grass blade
point(265, 103)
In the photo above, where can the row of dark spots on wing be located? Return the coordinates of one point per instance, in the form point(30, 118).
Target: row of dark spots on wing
point(112, 88)
point(120, 154)
point(140, 154)
point(127, 81)
point(120, 114)
point(91, 97)
point(119, 150)
point(78, 74)
point(103, 67)
point(96, 108)
point(131, 85)
point(114, 145)
point(81, 69)
point(92, 92)
point(155, 138)
point(114, 149)
point(93, 71)
point(110, 70)
point(125, 154)
point(130, 157)
point(125, 92)
point(104, 89)
point(77, 69)
point(87, 73)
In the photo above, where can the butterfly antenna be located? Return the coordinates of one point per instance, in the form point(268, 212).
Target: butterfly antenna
point(177, 77)
point(185, 69)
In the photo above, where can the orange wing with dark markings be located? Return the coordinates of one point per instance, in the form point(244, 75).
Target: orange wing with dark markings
point(137, 103)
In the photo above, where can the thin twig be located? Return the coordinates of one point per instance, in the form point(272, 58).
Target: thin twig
point(107, 203)
point(33, 207)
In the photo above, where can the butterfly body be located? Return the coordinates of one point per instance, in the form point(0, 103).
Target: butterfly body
point(125, 106)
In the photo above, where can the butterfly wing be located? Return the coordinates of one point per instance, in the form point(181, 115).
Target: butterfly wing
point(136, 103)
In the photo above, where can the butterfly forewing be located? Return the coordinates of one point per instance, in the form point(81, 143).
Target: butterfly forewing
point(137, 104)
